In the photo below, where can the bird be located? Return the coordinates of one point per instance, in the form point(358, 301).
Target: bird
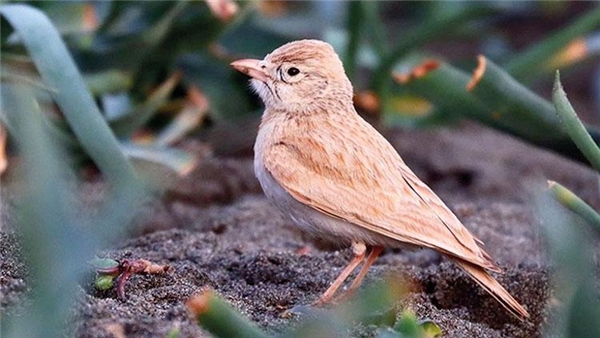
point(339, 179)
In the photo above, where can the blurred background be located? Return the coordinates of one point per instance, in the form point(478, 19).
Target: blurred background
point(149, 64)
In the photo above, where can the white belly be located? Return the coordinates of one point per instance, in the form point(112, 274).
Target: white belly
point(311, 220)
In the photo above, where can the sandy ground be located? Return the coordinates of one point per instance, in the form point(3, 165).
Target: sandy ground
point(218, 230)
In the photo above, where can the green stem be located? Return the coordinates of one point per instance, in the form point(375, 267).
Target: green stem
point(434, 29)
point(524, 111)
point(498, 101)
point(220, 319)
point(375, 25)
point(54, 241)
point(572, 202)
point(354, 24)
point(573, 126)
point(526, 63)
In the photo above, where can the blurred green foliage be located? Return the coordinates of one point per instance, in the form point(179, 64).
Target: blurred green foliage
point(575, 312)
point(53, 239)
point(571, 250)
point(128, 50)
point(376, 307)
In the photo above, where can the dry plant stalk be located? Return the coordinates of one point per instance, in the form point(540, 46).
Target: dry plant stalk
point(417, 72)
point(3, 156)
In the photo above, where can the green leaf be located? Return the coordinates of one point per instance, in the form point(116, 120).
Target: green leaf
point(220, 319)
point(527, 64)
point(57, 69)
point(68, 17)
point(375, 25)
point(241, 38)
point(10, 74)
point(519, 109)
point(157, 33)
point(184, 122)
point(175, 159)
point(573, 126)
point(55, 243)
point(445, 87)
point(108, 81)
point(103, 263)
point(104, 282)
point(573, 280)
point(430, 329)
point(498, 101)
point(128, 123)
point(572, 202)
point(54, 126)
point(408, 325)
point(229, 99)
point(354, 22)
point(433, 29)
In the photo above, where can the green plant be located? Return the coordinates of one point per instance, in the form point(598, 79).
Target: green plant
point(539, 59)
point(49, 107)
point(220, 319)
point(582, 139)
point(56, 240)
point(49, 71)
point(375, 306)
point(576, 311)
point(108, 271)
point(572, 202)
point(443, 21)
point(496, 99)
point(569, 246)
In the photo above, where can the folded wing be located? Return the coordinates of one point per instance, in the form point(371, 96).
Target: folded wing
point(363, 180)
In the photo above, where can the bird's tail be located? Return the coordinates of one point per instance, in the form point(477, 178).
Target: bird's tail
point(492, 286)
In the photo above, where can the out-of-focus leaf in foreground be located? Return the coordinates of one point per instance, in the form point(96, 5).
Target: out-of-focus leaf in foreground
point(57, 237)
point(54, 243)
point(576, 313)
point(575, 204)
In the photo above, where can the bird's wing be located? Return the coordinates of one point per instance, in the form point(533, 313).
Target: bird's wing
point(352, 173)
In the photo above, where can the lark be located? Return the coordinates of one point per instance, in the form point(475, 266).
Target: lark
point(339, 179)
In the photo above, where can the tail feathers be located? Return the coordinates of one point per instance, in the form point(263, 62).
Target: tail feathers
point(491, 285)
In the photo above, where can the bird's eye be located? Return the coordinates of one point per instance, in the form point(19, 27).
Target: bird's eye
point(293, 71)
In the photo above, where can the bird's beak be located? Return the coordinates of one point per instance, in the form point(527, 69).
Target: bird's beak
point(251, 68)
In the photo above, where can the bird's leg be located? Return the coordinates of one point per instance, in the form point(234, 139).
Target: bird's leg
point(375, 252)
point(359, 250)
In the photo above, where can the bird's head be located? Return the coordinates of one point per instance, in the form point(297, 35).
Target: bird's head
point(300, 76)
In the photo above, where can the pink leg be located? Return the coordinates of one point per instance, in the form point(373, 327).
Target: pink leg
point(375, 252)
point(359, 250)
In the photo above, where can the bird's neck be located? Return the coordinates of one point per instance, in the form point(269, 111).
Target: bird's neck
point(336, 111)
point(317, 107)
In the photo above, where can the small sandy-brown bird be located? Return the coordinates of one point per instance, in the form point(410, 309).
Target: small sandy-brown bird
point(336, 177)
